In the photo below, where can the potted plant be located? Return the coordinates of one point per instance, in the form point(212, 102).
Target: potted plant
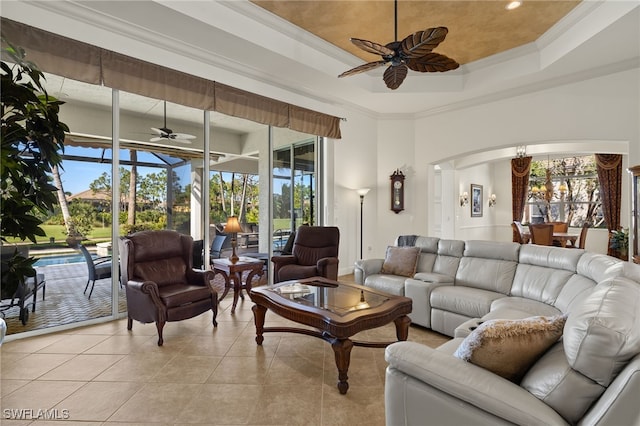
point(32, 143)
point(619, 243)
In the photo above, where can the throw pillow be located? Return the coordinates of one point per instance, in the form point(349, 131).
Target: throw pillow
point(509, 348)
point(401, 261)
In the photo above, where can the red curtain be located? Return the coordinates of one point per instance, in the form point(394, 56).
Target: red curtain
point(520, 167)
point(609, 168)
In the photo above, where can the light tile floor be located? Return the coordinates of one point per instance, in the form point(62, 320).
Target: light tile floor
point(104, 374)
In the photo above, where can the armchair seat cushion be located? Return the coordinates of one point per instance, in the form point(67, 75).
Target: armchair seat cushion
point(296, 272)
point(174, 295)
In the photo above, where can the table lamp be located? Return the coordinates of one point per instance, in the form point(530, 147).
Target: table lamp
point(233, 227)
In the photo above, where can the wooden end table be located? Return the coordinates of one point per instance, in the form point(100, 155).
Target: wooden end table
point(232, 273)
point(336, 310)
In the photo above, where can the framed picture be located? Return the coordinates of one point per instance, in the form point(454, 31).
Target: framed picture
point(476, 200)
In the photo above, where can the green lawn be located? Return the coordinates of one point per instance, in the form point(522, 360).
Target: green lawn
point(97, 235)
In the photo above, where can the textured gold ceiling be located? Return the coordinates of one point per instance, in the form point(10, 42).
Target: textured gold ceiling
point(477, 29)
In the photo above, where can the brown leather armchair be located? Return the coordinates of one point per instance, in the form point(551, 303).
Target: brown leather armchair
point(315, 253)
point(160, 281)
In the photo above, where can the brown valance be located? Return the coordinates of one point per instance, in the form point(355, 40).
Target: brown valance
point(155, 81)
point(238, 103)
point(308, 121)
point(54, 53)
point(90, 64)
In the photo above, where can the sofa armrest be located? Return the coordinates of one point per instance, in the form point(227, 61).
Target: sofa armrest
point(365, 267)
point(420, 292)
point(459, 389)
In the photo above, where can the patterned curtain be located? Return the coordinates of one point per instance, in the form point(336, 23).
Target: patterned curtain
point(609, 168)
point(520, 167)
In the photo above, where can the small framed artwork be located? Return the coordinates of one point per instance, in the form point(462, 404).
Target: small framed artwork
point(476, 200)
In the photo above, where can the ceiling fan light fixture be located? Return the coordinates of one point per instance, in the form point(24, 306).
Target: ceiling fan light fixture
point(513, 5)
point(414, 52)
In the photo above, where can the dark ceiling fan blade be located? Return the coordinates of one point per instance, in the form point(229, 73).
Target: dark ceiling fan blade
point(432, 62)
point(395, 75)
point(371, 47)
point(362, 68)
point(422, 42)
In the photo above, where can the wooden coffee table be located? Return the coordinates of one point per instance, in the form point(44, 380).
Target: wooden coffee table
point(336, 310)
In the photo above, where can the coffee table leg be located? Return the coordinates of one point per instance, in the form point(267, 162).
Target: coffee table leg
point(259, 313)
point(342, 352)
point(402, 327)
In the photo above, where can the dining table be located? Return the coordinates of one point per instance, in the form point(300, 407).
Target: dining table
point(562, 238)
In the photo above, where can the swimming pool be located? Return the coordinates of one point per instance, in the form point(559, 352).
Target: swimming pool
point(59, 259)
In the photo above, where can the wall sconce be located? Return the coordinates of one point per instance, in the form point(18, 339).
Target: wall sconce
point(464, 199)
point(492, 200)
point(521, 151)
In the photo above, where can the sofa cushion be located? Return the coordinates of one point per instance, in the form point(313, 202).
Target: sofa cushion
point(603, 331)
point(509, 347)
point(467, 301)
point(392, 284)
point(539, 283)
point(528, 307)
point(487, 274)
point(401, 261)
point(553, 381)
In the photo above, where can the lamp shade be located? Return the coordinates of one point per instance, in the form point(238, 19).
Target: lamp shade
point(362, 192)
point(232, 225)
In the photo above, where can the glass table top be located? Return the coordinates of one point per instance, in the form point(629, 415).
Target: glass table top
point(327, 295)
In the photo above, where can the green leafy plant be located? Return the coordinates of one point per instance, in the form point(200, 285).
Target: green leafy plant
point(32, 143)
point(620, 240)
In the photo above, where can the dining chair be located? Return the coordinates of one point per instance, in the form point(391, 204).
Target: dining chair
point(541, 234)
point(517, 234)
point(582, 240)
point(560, 226)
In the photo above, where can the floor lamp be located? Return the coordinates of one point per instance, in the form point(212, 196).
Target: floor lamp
point(361, 192)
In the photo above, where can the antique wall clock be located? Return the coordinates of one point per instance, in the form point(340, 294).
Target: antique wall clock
point(397, 191)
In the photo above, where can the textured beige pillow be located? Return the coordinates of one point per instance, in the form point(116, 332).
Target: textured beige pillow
point(509, 348)
point(401, 261)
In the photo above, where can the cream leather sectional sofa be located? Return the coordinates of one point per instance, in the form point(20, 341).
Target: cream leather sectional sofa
point(591, 376)
point(458, 283)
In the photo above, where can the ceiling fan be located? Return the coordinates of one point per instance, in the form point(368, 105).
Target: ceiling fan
point(414, 52)
point(164, 133)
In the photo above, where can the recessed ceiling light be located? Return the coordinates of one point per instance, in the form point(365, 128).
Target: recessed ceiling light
point(513, 5)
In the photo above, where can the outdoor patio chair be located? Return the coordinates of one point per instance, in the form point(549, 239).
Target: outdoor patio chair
point(220, 243)
point(98, 268)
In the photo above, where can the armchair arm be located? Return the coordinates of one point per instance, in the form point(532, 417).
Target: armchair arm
point(143, 301)
point(365, 267)
point(279, 262)
point(328, 267)
point(419, 377)
point(199, 277)
point(285, 259)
